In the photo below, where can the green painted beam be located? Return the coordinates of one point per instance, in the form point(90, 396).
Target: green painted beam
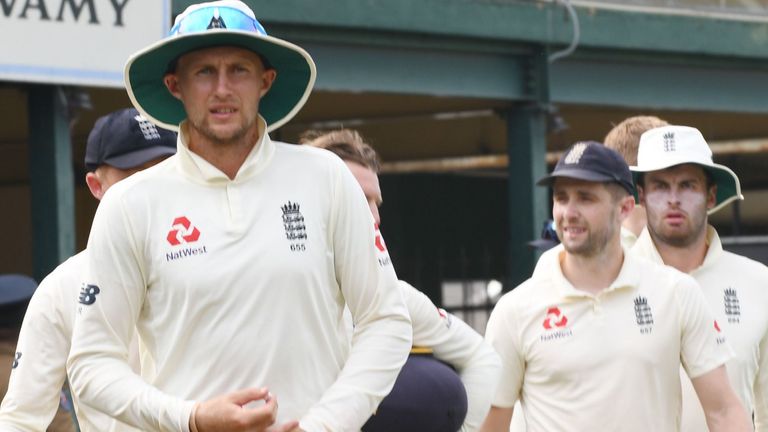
point(528, 207)
point(526, 151)
point(417, 71)
point(479, 49)
point(664, 85)
point(51, 179)
point(537, 22)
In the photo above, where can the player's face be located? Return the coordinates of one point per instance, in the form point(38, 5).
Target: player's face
point(369, 181)
point(676, 200)
point(221, 88)
point(106, 176)
point(586, 215)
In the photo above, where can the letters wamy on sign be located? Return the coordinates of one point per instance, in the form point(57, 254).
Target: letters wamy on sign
point(65, 9)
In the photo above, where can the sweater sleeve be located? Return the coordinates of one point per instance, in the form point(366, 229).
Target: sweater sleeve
point(761, 387)
point(502, 333)
point(456, 343)
point(108, 307)
point(40, 367)
point(381, 338)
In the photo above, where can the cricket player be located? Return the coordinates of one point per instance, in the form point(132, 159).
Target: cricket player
point(595, 339)
point(625, 139)
point(235, 258)
point(680, 186)
point(428, 394)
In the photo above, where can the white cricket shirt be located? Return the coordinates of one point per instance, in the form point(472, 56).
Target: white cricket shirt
point(608, 361)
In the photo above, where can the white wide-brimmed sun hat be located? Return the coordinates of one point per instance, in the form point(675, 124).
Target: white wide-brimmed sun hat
point(667, 146)
point(219, 23)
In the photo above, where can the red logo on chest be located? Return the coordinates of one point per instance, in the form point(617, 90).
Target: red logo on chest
point(554, 319)
point(182, 232)
point(380, 245)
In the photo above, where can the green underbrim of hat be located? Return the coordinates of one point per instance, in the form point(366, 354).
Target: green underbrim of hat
point(145, 71)
point(728, 187)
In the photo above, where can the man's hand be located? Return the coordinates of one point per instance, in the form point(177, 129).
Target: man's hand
point(228, 413)
point(498, 419)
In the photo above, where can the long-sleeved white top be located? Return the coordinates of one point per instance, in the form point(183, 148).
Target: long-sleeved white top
point(235, 283)
point(454, 342)
point(44, 341)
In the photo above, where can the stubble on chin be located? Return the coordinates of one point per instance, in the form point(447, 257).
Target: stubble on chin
point(221, 138)
point(678, 240)
point(593, 245)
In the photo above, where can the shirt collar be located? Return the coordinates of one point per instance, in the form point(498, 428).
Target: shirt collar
point(199, 168)
point(628, 276)
point(628, 238)
point(714, 249)
point(646, 248)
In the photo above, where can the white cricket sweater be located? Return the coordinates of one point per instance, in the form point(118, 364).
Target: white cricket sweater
point(239, 283)
point(35, 383)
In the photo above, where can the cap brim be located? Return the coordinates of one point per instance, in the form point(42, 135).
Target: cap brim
point(145, 70)
point(575, 173)
point(543, 244)
point(16, 288)
point(140, 157)
point(728, 185)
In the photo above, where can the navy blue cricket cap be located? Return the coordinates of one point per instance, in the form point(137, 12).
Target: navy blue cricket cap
point(591, 161)
point(125, 139)
point(15, 292)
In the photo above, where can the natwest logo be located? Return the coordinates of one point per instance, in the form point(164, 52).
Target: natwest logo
point(554, 319)
point(182, 232)
point(380, 245)
point(383, 257)
point(720, 338)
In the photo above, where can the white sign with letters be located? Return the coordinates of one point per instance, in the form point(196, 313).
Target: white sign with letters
point(76, 42)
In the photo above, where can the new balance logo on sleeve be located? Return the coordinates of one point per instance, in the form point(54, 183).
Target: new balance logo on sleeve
point(88, 294)
point(16, 359)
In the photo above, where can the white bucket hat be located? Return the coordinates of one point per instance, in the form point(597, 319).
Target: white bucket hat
point(205, 25)
point(667, 146)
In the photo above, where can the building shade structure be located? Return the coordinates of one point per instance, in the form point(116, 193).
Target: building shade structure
point(446, 82)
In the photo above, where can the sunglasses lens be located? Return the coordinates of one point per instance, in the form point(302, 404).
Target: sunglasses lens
point(209, 18)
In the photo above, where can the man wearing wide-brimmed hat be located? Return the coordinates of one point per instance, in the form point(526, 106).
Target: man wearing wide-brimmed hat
point(593, 341)
point(235, 257)
point(681, 186)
